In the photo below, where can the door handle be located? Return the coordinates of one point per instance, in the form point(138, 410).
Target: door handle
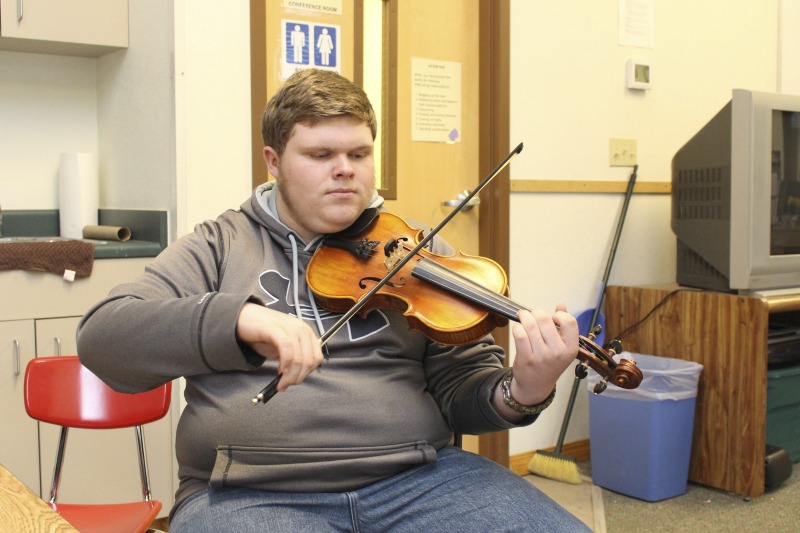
point(455, 202)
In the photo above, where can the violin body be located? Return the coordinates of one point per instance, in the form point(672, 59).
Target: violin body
point(441, 315)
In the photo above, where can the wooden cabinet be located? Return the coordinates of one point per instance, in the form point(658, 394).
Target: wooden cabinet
point(100, 467)
point(69, 27)
point(727, 334)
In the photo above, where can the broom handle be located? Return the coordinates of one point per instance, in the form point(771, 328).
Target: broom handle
point(574, 392)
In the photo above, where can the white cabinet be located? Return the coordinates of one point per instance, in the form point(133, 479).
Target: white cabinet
point(39, 320)
point(21, 341)
point(57, 336)
point(19, 439)
point(69, 27)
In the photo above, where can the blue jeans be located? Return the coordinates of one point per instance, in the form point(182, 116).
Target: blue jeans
point(461, 492)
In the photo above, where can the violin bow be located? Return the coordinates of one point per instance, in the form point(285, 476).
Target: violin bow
point(270, 390)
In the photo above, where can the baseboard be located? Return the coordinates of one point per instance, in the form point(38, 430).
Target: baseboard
point(578, 450)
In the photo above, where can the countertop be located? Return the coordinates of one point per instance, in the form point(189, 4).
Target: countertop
point(148, 230)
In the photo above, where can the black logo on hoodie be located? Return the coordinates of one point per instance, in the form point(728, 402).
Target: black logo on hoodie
point(280, 297)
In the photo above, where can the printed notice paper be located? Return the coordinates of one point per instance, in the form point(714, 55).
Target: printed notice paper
point(435, 100)
point(637, 23)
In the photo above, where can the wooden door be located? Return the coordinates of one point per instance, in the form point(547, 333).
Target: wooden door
point(430, 173)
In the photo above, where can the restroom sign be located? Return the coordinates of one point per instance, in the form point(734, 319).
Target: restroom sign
point(310, 45)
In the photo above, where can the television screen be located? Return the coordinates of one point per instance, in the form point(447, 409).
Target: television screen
point(785, 180)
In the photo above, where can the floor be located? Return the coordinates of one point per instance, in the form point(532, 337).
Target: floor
point(584, 501)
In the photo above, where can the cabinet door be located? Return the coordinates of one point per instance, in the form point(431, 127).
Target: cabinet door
point(89, 27)
point(19, 438)
point(57, 336)
point(101, 466)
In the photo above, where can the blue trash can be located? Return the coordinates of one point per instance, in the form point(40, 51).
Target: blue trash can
point(641, 439)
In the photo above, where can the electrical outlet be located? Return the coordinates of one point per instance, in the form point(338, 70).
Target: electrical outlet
point(622, 152)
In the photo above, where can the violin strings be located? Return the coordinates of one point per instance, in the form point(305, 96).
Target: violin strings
point(455, 282)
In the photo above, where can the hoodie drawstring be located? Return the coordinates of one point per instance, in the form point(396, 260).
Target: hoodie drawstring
point(296, 290)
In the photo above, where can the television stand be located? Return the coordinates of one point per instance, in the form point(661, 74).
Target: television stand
point(727, 334)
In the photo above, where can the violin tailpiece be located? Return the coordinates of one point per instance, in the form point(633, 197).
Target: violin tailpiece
point(362, 249)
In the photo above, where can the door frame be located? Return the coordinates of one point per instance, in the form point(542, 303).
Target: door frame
point(494, 220)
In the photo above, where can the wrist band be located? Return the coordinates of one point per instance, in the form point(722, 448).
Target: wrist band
point(508, 399)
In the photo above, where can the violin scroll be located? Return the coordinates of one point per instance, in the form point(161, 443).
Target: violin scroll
point(624, 374)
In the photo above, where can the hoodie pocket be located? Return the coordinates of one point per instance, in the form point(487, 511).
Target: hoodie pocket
point(314, 469)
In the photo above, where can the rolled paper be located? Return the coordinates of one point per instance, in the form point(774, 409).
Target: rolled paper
point(107, 233)
point(78, 194)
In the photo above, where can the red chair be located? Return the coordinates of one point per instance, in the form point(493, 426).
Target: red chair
point(61, 391)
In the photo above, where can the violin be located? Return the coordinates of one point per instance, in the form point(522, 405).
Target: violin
point(436, 293)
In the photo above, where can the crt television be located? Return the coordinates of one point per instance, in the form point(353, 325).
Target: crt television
point(736, 197)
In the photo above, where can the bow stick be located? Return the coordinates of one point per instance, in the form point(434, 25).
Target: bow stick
point(270, 390)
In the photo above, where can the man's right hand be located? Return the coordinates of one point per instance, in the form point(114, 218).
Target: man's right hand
point(281, 337)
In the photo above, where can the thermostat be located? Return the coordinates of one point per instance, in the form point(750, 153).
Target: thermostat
point(639, 75)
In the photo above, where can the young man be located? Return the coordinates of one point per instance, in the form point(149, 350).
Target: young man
point(361, 442)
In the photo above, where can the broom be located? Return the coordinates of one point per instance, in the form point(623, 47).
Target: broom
point(555, 465)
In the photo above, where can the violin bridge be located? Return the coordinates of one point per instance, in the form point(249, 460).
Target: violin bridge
point(393, 257)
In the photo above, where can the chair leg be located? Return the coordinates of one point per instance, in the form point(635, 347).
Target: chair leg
point(62, 446)
point(143, 470)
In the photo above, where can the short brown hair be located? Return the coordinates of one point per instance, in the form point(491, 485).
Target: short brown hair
point(309, 96)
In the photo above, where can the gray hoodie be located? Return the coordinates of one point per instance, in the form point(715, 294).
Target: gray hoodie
point(385, 399)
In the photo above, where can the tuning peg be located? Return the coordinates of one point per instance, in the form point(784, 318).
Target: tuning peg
point(581, 371)
point(595, 331)
point(614, 347)
point(600, 386)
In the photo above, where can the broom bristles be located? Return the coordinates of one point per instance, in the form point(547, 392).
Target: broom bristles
point(555, 466)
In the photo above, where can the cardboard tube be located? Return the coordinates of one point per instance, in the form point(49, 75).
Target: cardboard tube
point(107, 233)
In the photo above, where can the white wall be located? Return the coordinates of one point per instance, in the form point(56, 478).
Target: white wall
point(48, 105)
point(789, 71)
point(568, 97)
point(135, 98)
point(212, 71)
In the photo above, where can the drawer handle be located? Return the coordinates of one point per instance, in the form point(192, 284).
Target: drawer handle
point(58, 345)
point(19, 11)
point(17, 368)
